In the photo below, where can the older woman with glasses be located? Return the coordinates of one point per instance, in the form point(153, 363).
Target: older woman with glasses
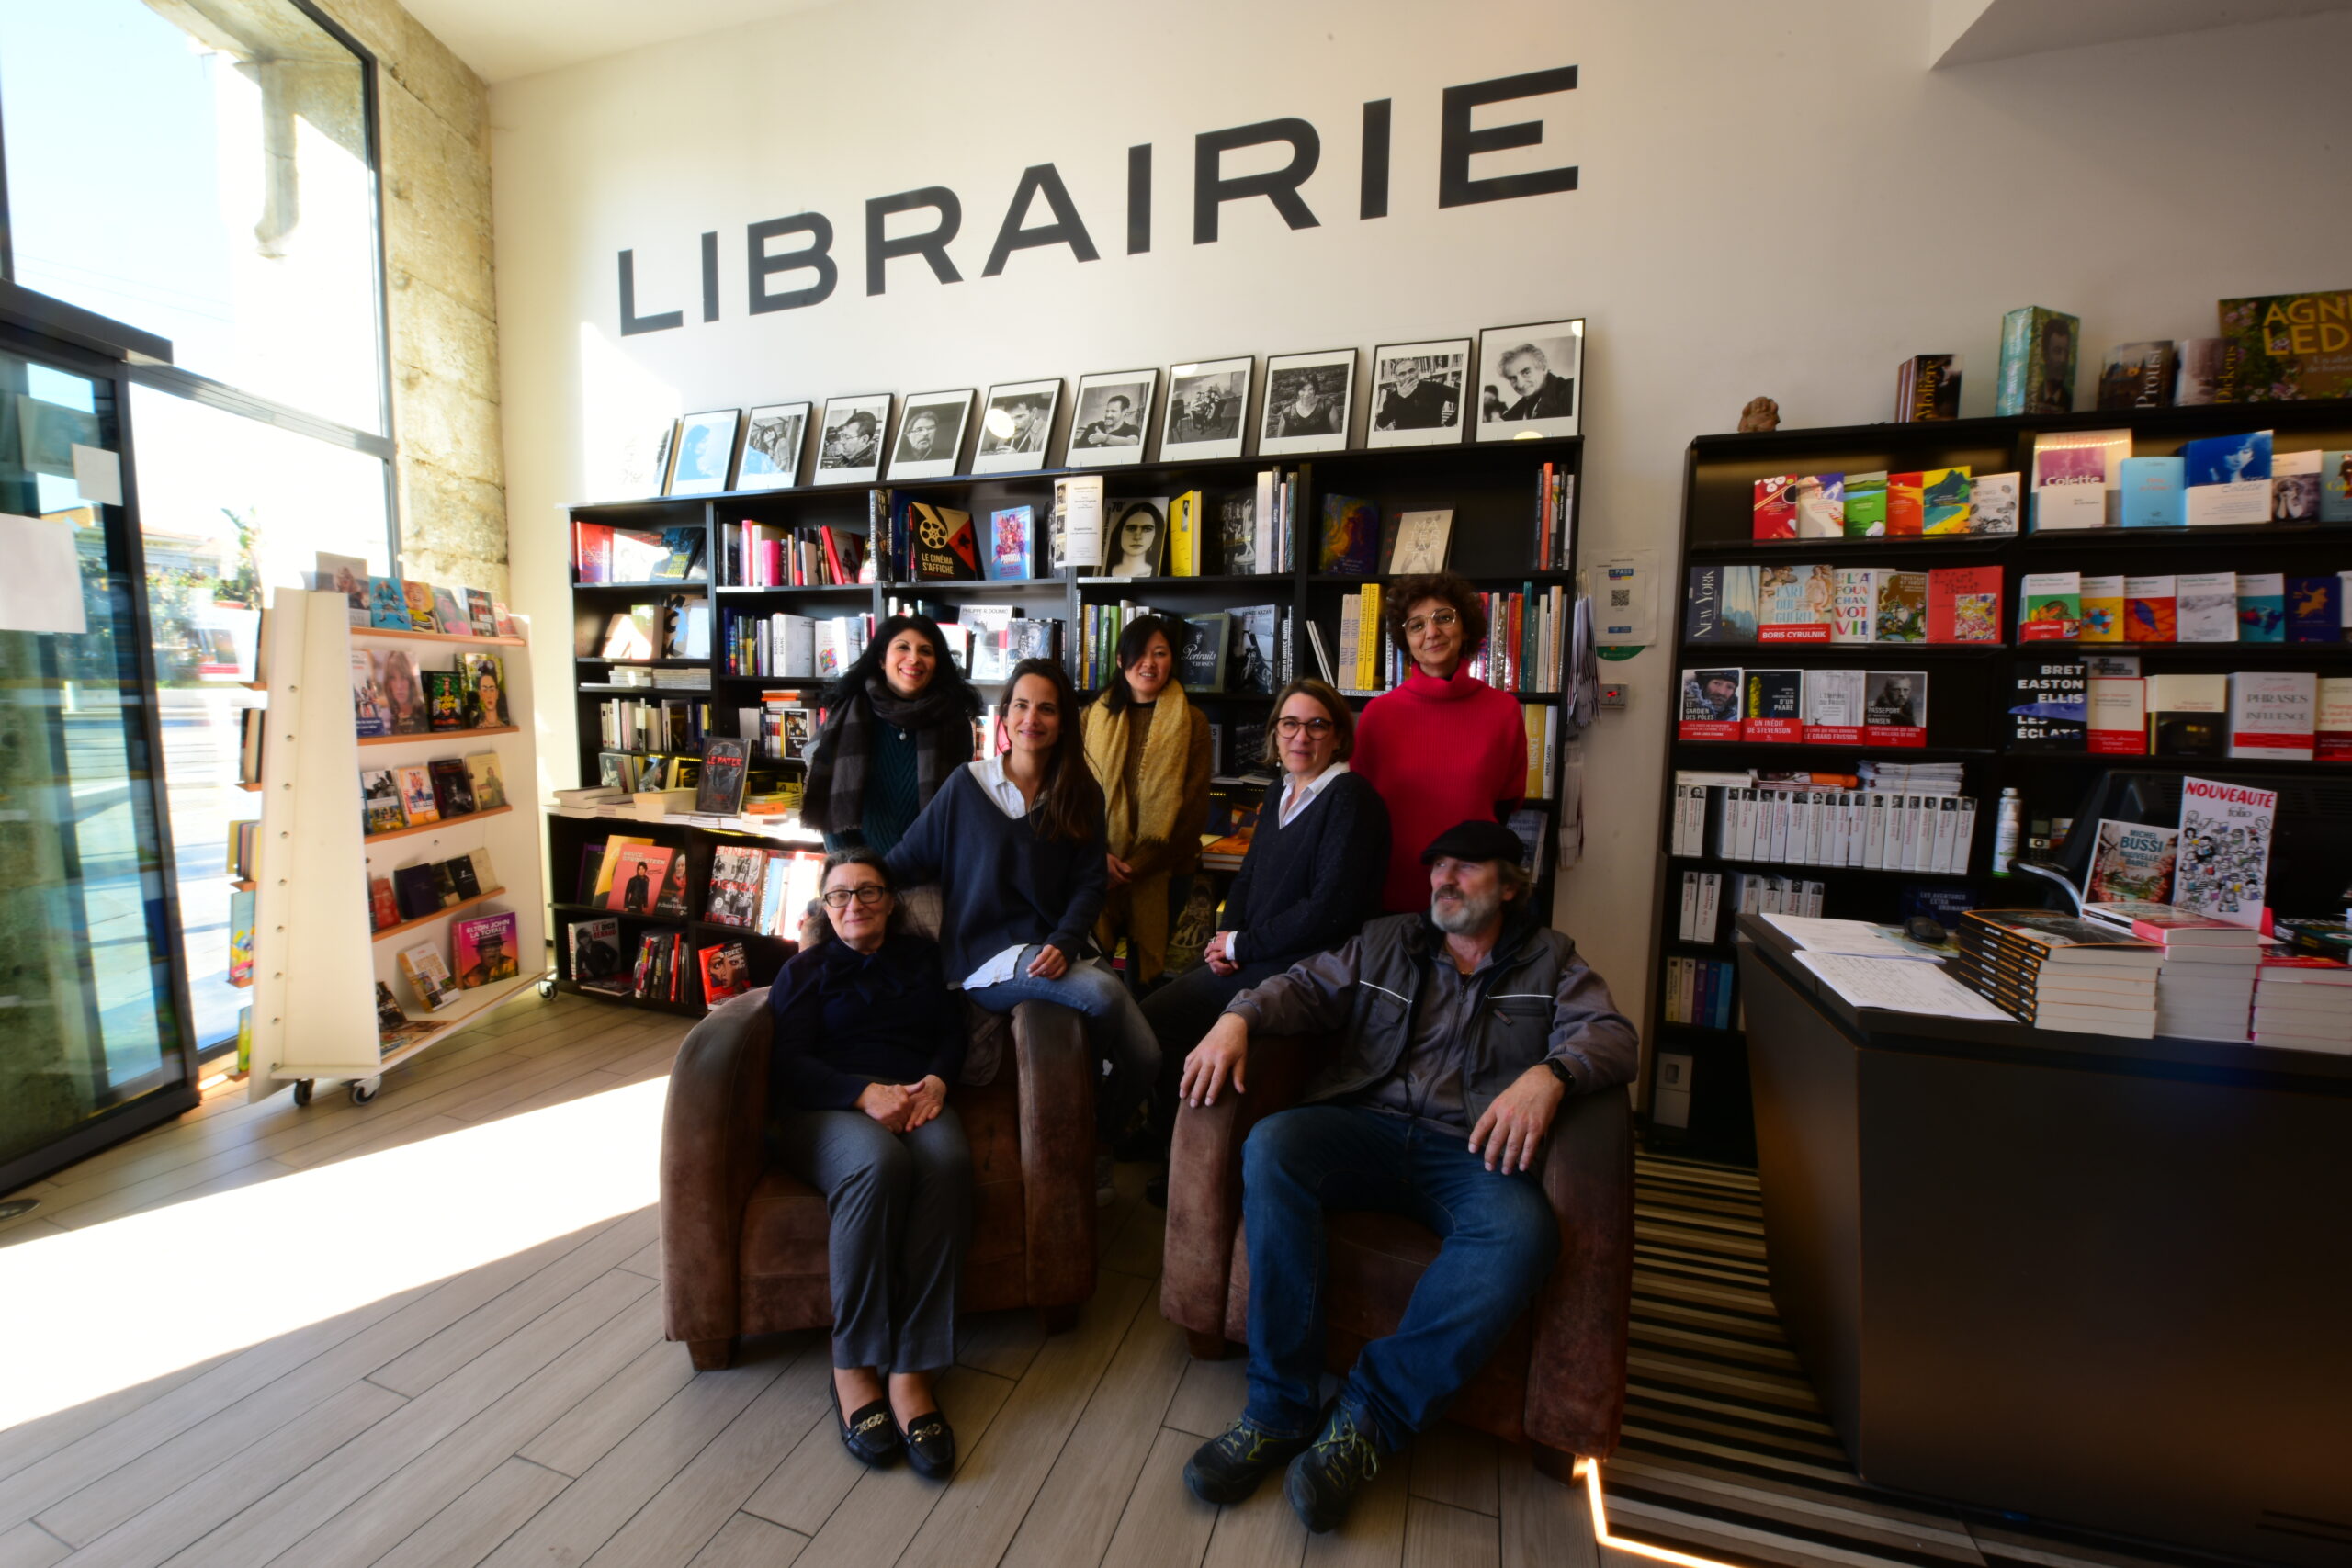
point(1444, 746)
point(867, 1043)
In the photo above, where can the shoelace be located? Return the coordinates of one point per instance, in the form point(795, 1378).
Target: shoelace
point(1242, 1442)
point(1345, 1441)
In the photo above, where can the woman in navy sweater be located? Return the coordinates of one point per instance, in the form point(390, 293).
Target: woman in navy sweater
point(1017, 845)
point(867, 1043)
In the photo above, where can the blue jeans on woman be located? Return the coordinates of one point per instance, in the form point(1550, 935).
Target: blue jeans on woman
point(1126, 1052)
point(1500, 1238)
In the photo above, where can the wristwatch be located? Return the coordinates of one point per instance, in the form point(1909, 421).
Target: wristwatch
point(1560, 1071)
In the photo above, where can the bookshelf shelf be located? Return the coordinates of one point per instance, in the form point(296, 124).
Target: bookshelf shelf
point(838, 590)
point(458, 637)
point(684, 585)
point(435, 826)
point(441, 914)
point(437, 736)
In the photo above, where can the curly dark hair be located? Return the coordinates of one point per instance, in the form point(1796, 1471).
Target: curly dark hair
point(947, 675)
point(1398, 598)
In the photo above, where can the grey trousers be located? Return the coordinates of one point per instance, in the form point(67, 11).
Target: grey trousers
point(902, 1209)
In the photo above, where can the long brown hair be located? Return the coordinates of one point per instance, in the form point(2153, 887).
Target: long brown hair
point(1073, 804)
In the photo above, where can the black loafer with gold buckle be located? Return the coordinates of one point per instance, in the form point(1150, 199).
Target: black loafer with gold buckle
point(931, 1445)
point(868, 1433)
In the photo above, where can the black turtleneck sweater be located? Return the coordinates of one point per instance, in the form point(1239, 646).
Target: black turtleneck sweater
point(845, 1020)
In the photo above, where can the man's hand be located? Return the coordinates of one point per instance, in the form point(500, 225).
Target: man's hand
point(1121, 873)
point(1049, 963)
point(924, 1101)
point(1220, 1055)
point(1513, 1127)
point(886, 1103)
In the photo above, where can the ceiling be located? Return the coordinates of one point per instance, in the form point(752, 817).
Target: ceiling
point(1963, 31)
point(505, 38)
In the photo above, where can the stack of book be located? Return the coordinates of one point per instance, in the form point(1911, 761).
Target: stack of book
point(2058, 971)
point(2302, 1002)
point(2205, 984)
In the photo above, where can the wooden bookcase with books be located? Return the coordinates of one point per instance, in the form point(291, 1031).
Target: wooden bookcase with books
point(764, 565)
point(1763, 709)
point(346, 987)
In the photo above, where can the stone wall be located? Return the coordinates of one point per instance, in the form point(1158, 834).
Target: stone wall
point(434, 156)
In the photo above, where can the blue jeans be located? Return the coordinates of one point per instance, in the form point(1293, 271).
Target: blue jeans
point(1500, 1238)
point(1126, 1050)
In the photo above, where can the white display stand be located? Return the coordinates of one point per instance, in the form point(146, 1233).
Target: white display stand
point(316, 960)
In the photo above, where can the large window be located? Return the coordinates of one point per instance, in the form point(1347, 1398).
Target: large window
point(205, 170)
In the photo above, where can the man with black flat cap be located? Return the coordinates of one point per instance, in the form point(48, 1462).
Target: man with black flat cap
point(1463, 1029)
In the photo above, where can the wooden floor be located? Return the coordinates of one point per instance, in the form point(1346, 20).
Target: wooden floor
point(528, 1413)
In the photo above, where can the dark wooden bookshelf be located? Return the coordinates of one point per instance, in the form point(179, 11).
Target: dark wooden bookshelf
point(1969, 687)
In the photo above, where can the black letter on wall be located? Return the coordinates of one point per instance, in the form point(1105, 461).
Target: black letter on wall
point(631, 322)
point(1140, 199)
point(1374, 200)
point(1279, 186)
point(1457, 144)
point(815, 256)
point(1065, 230)
point(710, 276)
point(930, 246)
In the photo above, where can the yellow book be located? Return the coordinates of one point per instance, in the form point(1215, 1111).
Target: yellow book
point(1184, 534)
point(2103, 609)
point(613, 847)
point(1372, 641)
point(1532, 718)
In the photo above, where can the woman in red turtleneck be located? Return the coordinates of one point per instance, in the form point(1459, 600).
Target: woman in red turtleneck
point(1443, 748)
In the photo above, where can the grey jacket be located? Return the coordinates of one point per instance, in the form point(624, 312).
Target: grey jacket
point(1531, 1000)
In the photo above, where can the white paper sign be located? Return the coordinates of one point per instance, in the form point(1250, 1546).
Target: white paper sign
point(1899, 986)
point(1626, 600)
point(1854, 938)
point(98, 474)
point(41, 589)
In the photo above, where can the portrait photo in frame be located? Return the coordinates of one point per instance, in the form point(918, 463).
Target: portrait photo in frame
point(1530, 381)
point(1109, 420)
point(703, 452)
point(851, 439)
point(1307, 399)
point(1015, 425)
point(1135, 538)
point(772, 437)
point(1417, 393)
point(931, 434)
point(1208, 408)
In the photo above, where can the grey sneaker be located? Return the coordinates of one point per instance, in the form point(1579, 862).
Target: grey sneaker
point(1323, 1481)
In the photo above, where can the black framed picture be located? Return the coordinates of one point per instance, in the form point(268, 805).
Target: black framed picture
point(1015, 426)
point(1114, 410)
point(931, 434)
point(704, 454)
point(1417, 392)
point(1307, 399)
point(849, 448)
point(1530, 381)
point(772, 442)
point(1208, 404)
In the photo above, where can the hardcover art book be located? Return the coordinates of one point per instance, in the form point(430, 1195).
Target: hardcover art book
point(2224, 857)
point(726, 972)
point(1927, 387)
point(482, 690)
point(1350, 536)
point(2289, 346)
point(720, 791)
point(940, 539)
point(736, 876)
point(2037, 374)
point(597, 956)
point(638, 874)
point(2131, 862)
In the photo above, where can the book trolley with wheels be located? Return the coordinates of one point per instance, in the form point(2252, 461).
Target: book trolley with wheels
point(317, 962)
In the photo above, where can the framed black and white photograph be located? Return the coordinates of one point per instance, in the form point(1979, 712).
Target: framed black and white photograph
point(1136, 542)
point(1417, 390)
point(1208, 403)
point(772, 441)
point(1015, 426)
point(849, 443)
point(1308, 398)
point(931, 434)
point(640, 459)
point(1114, 410)
point(1529, 381)
point(703, 452)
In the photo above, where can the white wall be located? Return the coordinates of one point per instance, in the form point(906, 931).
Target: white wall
point(1774, 199)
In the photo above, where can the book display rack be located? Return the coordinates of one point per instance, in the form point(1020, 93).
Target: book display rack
point(345, 986)
point(1499, 510)
point(1812, 730)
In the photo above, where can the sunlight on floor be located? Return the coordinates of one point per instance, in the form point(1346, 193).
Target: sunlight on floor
point(108, 1307)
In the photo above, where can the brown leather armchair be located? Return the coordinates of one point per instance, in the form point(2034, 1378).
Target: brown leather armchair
point(744, 1242)
point(1558, 1381)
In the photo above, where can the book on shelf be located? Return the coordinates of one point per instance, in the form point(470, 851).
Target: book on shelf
point(2287, 345)
point(420, 605)
point(941, 543)
point(2314, 609)
point(726, 972)
point(2137, 376)
point(1796, 604)
point(2037, 364)
point(719, 789)
point(2051, 607)
point(2118, 716)
point(2274, 713)
point(1865, 515)
point(2332, 735)
point(346, 575)
point(379, 801)
point(2187, 715)
point(2225, 836)
point(2154, 492)
point(1820, 502)
point(2049, 705)
point(487, 949)
point(2152, 608)
point(1773, 705)
point(1906, 504)
point(1965, 605)
point(1927, 387)
point(2227, 480)
point(1012, 542)
point(2103, 609)
point(451, 611)
point(2202, 377)
point(2294, 486)
point(427, 974)
point(1700, 991)
point(1350, 536)
point(2336, 487)
point(453, 793)
point(2302, 1002)
point(2323, 939)
point(1833, 703)
point(483, 772)
point(1420, 543)
point(1775, 511)
point(596, 955)
point(2078, 479)
point(2205, 606)
point(1993, 504)
point(1900, 613)
point(1201, 665)
point(1944, 500)
point(1895, 708)
point(1711, 703)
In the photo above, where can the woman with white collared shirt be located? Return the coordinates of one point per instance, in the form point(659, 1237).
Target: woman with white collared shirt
point(1016, 842)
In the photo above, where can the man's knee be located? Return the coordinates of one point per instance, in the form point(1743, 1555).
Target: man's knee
point(1275, 1148)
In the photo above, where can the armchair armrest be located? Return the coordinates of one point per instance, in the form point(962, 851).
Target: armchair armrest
point(1056, 1093)
point(713, 1153)
point(1205, 1177)
point(1576, 1374)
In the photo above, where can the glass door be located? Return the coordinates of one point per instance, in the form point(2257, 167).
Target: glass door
point(93, 1038)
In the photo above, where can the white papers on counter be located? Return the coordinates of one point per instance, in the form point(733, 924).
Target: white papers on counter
point(1899, 985)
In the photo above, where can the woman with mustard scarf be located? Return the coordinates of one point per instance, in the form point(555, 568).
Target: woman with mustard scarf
point(1149, 749)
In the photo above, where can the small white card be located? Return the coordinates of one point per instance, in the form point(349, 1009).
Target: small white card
point(41, 589)
point(98, 474)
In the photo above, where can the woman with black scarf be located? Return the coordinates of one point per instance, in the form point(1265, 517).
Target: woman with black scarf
point(897, 726)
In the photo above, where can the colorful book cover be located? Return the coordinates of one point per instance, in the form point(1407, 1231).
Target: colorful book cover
point(596, 955)
point(1776, 508)
point(1702, 605)
point(379, 801)
point(2314, 609)
point(478, 613)
point(2274, 713)
point(420, 605)
point(2224, 860)
point(450, 612)
point(2206, 606)
point(488, 950)
point(2294, 487)
point(2151, 609)
point(2291, 347)
point(1927, 387)
point(383, 908)
point(725, 972)
point(2152, 493)
point(1895, 708)
point(733, 898)
point(240, 936)
point(2132, 861)
point(1350, 536)
point(1740, 610)
point(1866, 505)
point(489, 782)
point(638, 873)
point(2037, 374)
point(1774, 705)
point(2052, 607)
point(2077, 476)
point(1820, 502)
point(386, 605)
point(2336, 487)
point(725, 762)
point(1853, 605)
point(371, 714)
point(2228, 480)
point(1906, 505)
point(445, 699)
point(2262, 607)
point(1993, 504)
point(417, 798)
point(2332, 738)
point(2049, 705)
point(943, 549)
point(1902, 610)
point(428, 975)
point(1796, 602)
point(1944, 498)
point(2102, 609)
point(2137, 376)
point(1964, 604)
point(671, 900)
point(1711, 703)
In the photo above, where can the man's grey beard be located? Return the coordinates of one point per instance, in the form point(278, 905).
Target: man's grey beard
point(1469, 912)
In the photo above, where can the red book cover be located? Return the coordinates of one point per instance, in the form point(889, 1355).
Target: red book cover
point(1544, 520)
point(1774, 705)
point(1906, 512)
point(637, 876)
point(1776, 508)
point(592, 552)
point(771, 561)
point(1964, 604)
point(832, 556)
point(383, 910)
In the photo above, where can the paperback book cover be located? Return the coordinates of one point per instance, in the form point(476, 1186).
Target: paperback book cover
point(2336, 487)
point(2137, 376)
point(427, 974)
point(2102, 609)
point(2274, 713)
point(452, 791)
point(1013, 543)
point(1201, 667)
point(417, 796)
point(1776, 508)
point(1832, 707)
point(2151, 609)
point(1350, 544)
point(2130, 863)
point(487, 950)
point(2294, 487)
point(386, 605)
point(1712, 704)
point(420, 617)
point(940, 538)
point(383, 904)
point(1927, 387)
point(1866, 505)
point(2154, 492)
point(726, 972)
point(1742, 613)
point(2119, 716)
point(597, 956)
point(2188, 715)
point(1420, 541)
point(451, 613)
point(720, 791)
point(2332, 741)
point(1895, 708)
point(2052, 607)
point(2224, 865)
point(2206, 606)
point(379, 801)
point(2289, 346)
point(1964, 604)
point(1774, 705)
point(1902, 609)
point(2314, 609)
point(1906, 503)
point(736, 875)
point(2228, 480)
point(445, 699)
point(2078, 479)
point(461, 872)
point(1820, 502)
point(2036, 373)
point(638, 873)
point(1703, 607)
point(1993, 504)
point(489, 782)
point(2049, 705)
point(671, 900)
point(1796, 601)
point(371, 714)
point(1853, 605)
point(2262, 607)
point(1944, 498)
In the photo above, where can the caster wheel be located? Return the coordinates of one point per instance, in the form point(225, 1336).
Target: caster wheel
point(547, 991)
point(303, 1089)
point(364, 1090)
